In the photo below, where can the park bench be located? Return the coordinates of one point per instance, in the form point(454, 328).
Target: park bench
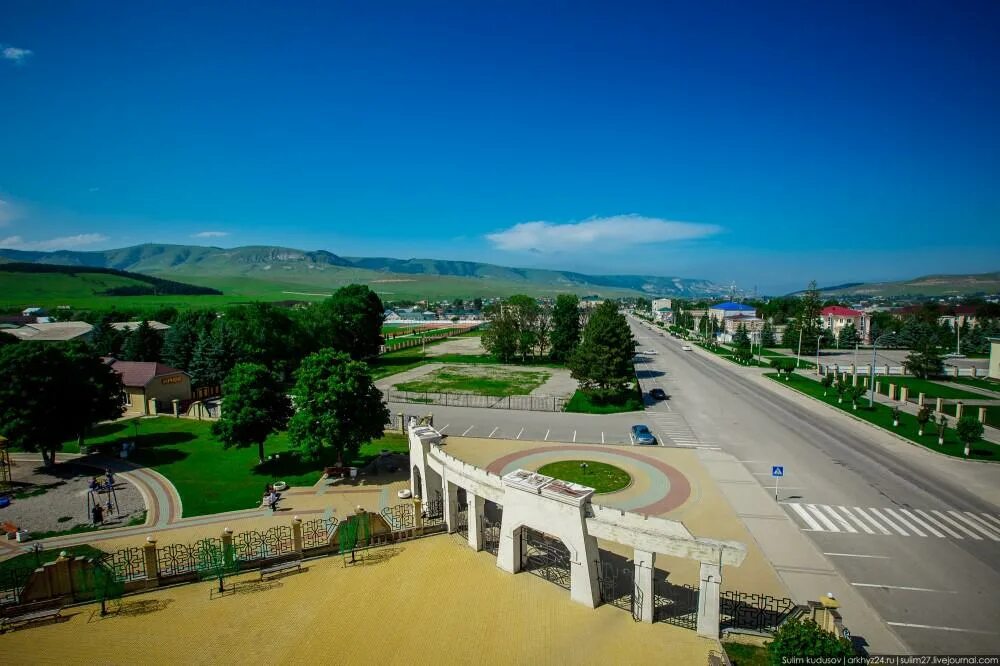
point(279, 567)
point(30, 613)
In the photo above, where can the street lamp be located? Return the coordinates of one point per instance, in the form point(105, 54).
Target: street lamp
point(819, 338)
point(871, 373)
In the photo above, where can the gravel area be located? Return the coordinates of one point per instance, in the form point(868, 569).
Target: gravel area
point(61, 502)
point(467, 346)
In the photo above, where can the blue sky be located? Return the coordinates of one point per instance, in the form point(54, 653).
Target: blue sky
point(767, 143)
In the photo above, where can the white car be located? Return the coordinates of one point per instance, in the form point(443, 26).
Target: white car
point(650, 351)
point(686, 348)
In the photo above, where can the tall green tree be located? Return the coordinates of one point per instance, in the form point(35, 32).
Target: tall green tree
point(848, 336)
point(501, 336)
point(349, 321)
point(214, 356)
point(565, 334)
point(741, 338)
point(253, 406)
point(924, 361)
point(767, 335)
point(51, 394)
point(181, 340)
point(105, 340)
point(338, 407)
point(266, 334)
point(603, 360)
point(808, 319)
point(142, 344)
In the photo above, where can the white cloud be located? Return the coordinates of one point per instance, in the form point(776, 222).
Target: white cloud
point(18, 56)
point(598, 234)
point(60, 243)
point(210, 234)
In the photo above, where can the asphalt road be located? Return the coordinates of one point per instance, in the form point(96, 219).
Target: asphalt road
point(917, 534)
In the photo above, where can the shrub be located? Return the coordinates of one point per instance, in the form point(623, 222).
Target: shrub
point(799, 639)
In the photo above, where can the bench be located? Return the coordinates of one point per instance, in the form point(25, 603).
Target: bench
point(281, 566)
point(30, 613)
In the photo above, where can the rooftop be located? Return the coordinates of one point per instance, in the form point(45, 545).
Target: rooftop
point(139, 373)
point(728, 306)
point(57, 331)
point(840, 311)
point(131, 325)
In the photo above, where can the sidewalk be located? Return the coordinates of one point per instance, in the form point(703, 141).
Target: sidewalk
point(799, 563)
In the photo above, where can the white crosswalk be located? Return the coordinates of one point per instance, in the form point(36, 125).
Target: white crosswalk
point(888, 521)
point(674, 429)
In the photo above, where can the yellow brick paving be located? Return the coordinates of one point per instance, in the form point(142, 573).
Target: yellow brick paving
point(431, 601)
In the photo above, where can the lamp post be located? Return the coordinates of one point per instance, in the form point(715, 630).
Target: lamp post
point(798, 354)
point(871, 373)
point(819, 338)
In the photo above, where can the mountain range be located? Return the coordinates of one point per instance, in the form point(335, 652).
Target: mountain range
point(216, 267)
point(926, 285)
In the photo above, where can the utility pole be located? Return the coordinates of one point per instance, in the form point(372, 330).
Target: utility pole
point(798, 354)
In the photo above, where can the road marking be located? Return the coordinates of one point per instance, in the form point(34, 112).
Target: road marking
point(990, 518)
point(822, 518)
point(836, 516)
point(905, 522)
point(602, 437)
point(444, 428)
point(931, 626)
point(934, 520)
point(761, 473)
point(856, 521)
point(927, 527)
point(519, 434)
point(871, 520)
point(951, 522)
point(888, 522)
point(974, 525)
point(574, 435)
point(547, 435)
point(467, 430)
point(873, 557)
point(903, 587)
point(797, 508)
point(976, 519)
point(490, 436)
point(749, 461)
point(780, 487)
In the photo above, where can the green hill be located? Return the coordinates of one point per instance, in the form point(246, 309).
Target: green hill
point(928, 285)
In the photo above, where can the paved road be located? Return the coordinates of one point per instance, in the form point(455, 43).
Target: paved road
point(917, 534)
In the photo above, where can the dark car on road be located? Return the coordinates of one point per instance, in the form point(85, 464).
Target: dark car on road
point(658, 394)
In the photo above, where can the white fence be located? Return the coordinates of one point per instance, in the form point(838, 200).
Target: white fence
point(899, 370)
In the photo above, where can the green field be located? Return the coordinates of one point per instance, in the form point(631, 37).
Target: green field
point(477, 379)
point(978, 382)
point(603, 478)
point(209, 477)
point(929, 388)
point(583, 403)
point(881, 415)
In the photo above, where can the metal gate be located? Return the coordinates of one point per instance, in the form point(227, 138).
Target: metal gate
point(618, 588)
point(462, 526)
point(491, 535)
point(675, 604)
point(545, 556)
point(756, 612)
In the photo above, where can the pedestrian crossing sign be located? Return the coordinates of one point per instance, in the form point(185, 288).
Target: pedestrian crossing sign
point(777, 470)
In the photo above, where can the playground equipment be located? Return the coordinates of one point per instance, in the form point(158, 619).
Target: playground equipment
point(105, 486)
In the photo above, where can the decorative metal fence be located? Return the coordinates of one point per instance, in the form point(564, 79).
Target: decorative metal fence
point(545, 556)
point(178, 559)
point(316, 533)
point(463, 520)
point(127, 564)
point(675, 604)
point(755, 612)
point(432, 515)
point(617, 587)
point(270, 543)
point(491, 535)
point(534, 403)
point(400, 517)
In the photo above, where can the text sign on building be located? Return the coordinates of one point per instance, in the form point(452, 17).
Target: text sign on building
point(172, 379)
point(777, 470)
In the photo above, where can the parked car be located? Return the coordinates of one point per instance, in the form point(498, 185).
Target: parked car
point(641, 435)
point(650, 351)
point(658, 394)
point(686, 348)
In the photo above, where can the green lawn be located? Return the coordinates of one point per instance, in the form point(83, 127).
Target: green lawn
point(881, 415)
point(394, 362)
point(584, 403)
point(33, 560)
point(931, 389)
point(211, 478)
point(746, 655)
point(603, 478)
point(727, 353)
point(978, 382)
point(992, 413)
point(480, 380)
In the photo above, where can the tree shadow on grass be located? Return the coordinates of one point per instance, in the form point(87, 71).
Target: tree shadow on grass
point(288, 463)
point(155, 457)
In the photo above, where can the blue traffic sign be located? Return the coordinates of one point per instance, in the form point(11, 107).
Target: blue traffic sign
point(777, 470)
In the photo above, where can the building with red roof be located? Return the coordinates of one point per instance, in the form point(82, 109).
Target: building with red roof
point(836, 317)
point(151, 388)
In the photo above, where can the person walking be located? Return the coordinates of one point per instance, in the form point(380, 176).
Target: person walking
point(272, 501)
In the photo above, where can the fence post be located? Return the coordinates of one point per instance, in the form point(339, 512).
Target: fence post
point(955, 372)
point(904, 393)
point(939, 407)
point(892, 391)
point(297, 534)
point(149, 559)
point(878, 387)
point(958, 410)
point(982, 415)
point(228, 552)
point(921, 398)
point(402, 426)
point(418, 517)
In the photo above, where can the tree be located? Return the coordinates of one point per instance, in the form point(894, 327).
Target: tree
point(924, 361)
point(785, 365)
point(923, 416)
point(848, 336)
point(477, 303)
point(603, 360)
point(266, 334)
point(643, 304)
point(767, 335)
point(6, 340)
point(253, 406)
point(808, 319)
point(517, 327)
point(105, 340)
point(180, 341)
point(741, 338)
point(349, 321)
point(338, 407)
point(802, 639)
point(142, 344)
point(790, 337)
point(214, 356)
point(826, 382)
point(500, 338)
point(970, 430)
point(51, 394)
point(565, 327)
point(458, 305)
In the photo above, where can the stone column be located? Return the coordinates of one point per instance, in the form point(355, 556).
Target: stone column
point(402, 426)
point(228, 552)
point(450, 504)
point(509, 553)
point(921, 399)
point(708, 600)
point(866, 381)
point(958, 410)
point(149, 558)
point(177, 407)
point(982, 415)
point(644, 563)
point(892, 391)
point(939, 407)
point(297, 535)
point(955, 372)
point(477, 505)
point(878, 387)
point(904, 393)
